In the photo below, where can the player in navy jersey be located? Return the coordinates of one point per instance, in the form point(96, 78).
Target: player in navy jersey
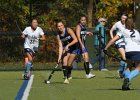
point(81, 33)
point(67, 44)
point(132, 49)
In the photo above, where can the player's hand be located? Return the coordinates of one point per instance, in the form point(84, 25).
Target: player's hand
point(89, 33)
point(83, 47)
point(67, 48)
point(23, 35)
point(105, 51)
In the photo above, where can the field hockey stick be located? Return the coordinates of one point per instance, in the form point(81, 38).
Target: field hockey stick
point(111, 55)
point(34, 48)
point(54, 69)
point(83, 42)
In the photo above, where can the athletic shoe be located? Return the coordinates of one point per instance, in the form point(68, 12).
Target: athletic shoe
point(89, 76)
point(27, 75)
point(126, 84)
point(104, 69)
point(92, 75)
point(66, 81)
point(70, 78)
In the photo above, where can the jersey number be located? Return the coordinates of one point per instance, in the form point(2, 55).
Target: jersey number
point(133, 33)
point(32, 41)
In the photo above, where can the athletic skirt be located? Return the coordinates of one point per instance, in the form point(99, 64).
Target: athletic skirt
point(135, 55)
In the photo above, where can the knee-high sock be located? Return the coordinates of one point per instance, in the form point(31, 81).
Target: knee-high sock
point(28, 67)
point(122, 66)
point(65, 71)
point(69, 70)
point(133, 74)
point(126, 73)
point(86, 66)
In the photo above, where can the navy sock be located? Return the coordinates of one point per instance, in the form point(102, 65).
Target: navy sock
point(86, 66)
point(65, 71)
point(69, 71)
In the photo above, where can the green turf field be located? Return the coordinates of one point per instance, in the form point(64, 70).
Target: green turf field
point(105, 86)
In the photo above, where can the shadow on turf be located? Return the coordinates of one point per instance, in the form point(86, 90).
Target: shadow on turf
point(78, 78)
point(54, 83)
point(117, 89)
point(112, 77)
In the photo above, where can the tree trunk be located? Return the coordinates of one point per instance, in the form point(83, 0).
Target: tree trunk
point(90, 12)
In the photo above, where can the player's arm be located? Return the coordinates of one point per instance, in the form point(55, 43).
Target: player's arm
point(70, 31)
point(111, 32)
point(60, 48)
point(111, 42)
point(43, 38)
point(24, 33)
point(78, 30)
point(89, 33)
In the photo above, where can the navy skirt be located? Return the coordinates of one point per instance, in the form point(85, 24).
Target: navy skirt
point(133, 55)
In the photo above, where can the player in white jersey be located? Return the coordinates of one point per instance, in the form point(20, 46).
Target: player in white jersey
point(132, 49)
point(120, 44)
point(32, 35)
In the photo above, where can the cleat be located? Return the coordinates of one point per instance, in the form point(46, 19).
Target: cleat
point(66, 81)
point(104, 69)
point(92, 75)
point(27, 76)
point(70, 78)
point(88, 76)
point(126, 84)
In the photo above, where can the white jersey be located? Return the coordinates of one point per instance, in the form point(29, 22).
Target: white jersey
point(32, 37)
point(131, 38)
point(118, 26)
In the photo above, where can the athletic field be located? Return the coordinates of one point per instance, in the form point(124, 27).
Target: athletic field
point(105, 86)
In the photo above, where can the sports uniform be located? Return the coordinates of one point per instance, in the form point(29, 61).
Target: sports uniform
point(118, 26)
point(132, 48)
point(83, 34)
point(31, 43)
point(66, 39)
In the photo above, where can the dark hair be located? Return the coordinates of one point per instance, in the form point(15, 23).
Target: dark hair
point(129, 24)
point(34, 19)
point(60, 21)
point(82, 16)
point(125, 14)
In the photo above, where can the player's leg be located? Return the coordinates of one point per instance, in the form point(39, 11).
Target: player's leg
point(25, 61)
point(28, 64)
point(122, 63)
point(135, 72)
point(86, 64)
point(65, 68)
point(70, 61)
point(131, 75)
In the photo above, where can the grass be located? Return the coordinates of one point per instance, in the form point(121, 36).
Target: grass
point(105, 86)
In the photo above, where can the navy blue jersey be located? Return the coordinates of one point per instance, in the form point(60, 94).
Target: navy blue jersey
point(83, 33)
point(66, 39)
